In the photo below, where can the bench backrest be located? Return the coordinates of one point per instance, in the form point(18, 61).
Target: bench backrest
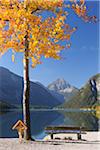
point(64, 128)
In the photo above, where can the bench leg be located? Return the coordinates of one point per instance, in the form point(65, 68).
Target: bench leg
point(52, 136)
point(79, 136)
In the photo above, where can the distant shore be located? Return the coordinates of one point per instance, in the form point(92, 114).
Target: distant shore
point(51, 109)
point(91, 141)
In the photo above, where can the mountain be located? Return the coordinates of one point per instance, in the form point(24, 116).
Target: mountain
point(62, 89)
point(88, 95)
point(11, 89)
point(58, 93)
point(59, 85)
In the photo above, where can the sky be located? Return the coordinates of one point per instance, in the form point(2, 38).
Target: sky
point(78, 64)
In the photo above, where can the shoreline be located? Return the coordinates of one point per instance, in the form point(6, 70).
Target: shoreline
point(51, 109)
point(90, 141)
point(89, 136)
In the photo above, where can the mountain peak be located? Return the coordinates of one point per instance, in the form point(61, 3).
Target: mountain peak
point(60, 80)
point(59, 84)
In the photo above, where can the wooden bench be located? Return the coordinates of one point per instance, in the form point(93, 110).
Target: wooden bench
point(65, 129)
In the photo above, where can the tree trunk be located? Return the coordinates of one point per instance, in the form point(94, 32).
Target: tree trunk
point(26, 94)
point(26, 91)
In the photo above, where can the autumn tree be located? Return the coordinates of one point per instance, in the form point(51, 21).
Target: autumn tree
point(23, 29)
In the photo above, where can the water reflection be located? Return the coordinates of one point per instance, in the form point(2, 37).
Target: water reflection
point(41, 119)
point(82, 118)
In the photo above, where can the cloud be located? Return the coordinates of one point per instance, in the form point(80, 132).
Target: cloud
point(89, 48)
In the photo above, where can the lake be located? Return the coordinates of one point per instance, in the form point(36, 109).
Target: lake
point(42, 118)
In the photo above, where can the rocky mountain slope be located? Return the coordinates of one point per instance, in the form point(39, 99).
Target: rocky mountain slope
point(88, 95)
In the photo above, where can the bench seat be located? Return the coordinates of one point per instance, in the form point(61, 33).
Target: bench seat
point(64, 129)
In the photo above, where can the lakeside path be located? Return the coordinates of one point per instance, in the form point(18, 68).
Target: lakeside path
point(93, 143)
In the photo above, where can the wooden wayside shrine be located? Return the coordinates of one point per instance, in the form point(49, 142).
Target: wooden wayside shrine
point(20, 127)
